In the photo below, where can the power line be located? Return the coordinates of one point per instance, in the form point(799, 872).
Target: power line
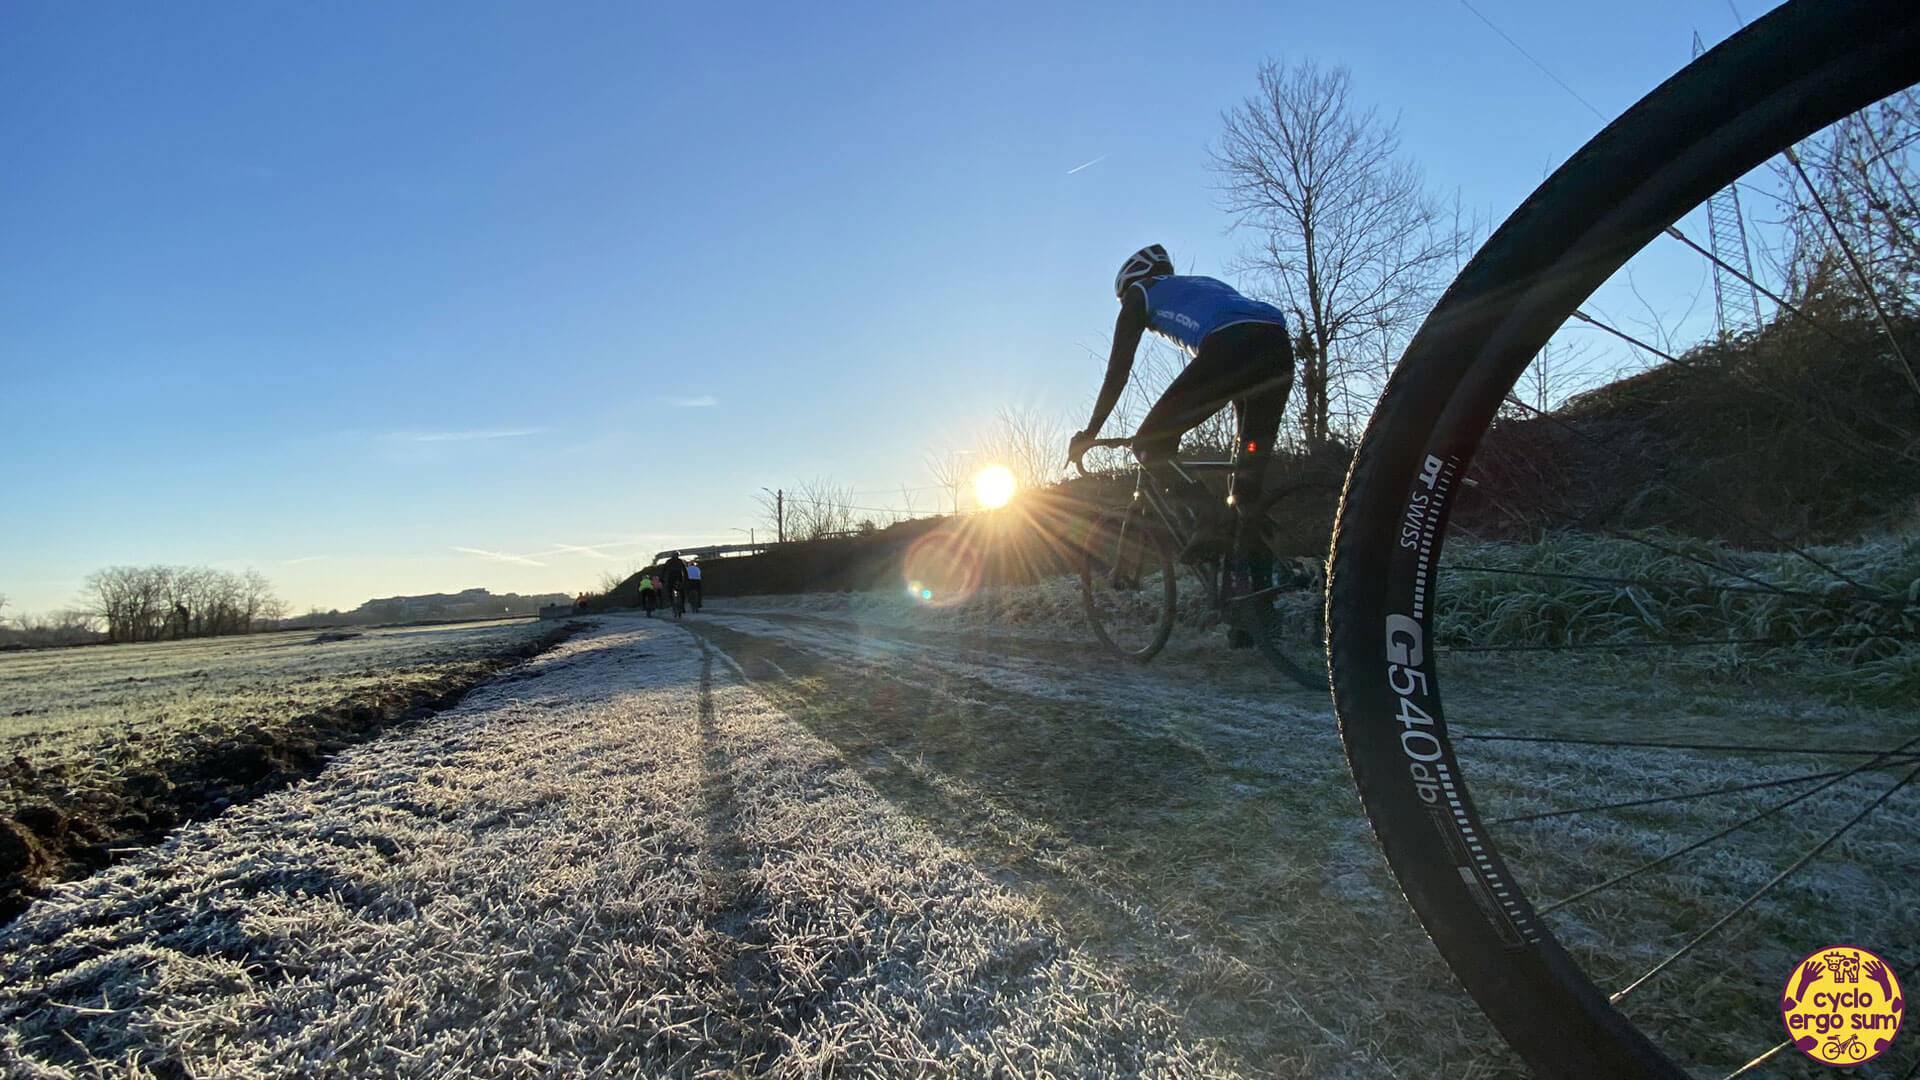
point(1561, 83)
point(869, 509)
point(890, 491)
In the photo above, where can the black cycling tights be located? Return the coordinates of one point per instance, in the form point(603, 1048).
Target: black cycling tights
point(1249, 365)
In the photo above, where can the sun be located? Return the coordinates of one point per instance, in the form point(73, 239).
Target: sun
point(994, 486)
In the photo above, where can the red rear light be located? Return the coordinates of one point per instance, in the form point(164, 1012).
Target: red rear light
point(1252, 448)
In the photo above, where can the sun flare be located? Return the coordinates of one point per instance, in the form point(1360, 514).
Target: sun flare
point(994, 486)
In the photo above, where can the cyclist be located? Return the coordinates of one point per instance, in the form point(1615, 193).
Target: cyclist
point(673, 574)
point(647, 599)
point(693, 582)
point(1241, 353)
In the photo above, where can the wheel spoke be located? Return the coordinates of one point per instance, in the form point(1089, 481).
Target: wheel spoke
point(1729, 514)
point(1683, 797)
point(1720, 923)
point(1902, 450)
point(1679, 585)
point(1687, 643)
point(1859, 272)
point(1723, 833)
point(1759, 1061)
point(1728, 747)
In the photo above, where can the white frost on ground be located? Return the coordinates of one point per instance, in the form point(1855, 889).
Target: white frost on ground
point(617, 860)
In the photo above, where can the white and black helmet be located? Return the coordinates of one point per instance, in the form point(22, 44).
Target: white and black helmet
point(1150, 261)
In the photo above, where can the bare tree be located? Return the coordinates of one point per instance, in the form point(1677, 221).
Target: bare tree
point(1348, 238)
point(57, 628)
point(819, 508)
point(1858, 180)
point(1562, 369)
point(773, 513)
point(262, 605)
point(149, 603)
point(949, 471)
point(1030, 443)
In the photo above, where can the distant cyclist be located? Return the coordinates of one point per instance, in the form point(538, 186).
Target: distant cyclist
point(693, 583)
point(1241, 354)
point(647, 599)
point(673, 576)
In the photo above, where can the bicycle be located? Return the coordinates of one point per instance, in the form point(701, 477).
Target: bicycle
point(1850, 1048)
point(1399, 596)
point(1131, 555)
point(679, 599)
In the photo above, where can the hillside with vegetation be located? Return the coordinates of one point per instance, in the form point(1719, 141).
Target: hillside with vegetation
point(1804, 431)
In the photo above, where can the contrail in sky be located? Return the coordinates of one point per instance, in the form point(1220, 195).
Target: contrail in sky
point(582, 549)
point(499, 556)
point(1089, 164)
point(467, 436)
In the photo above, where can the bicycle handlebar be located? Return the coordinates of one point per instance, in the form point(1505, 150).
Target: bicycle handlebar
point(1093, 444)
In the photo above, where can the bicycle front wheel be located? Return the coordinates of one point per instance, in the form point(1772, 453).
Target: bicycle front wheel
point(1127, 585)
point(1604, 602)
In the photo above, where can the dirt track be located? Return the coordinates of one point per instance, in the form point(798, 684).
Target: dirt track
point(772, 843)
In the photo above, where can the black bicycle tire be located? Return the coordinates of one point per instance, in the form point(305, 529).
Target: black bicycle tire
point(1791, 73)
point(1278, 656)
point(1163, 552)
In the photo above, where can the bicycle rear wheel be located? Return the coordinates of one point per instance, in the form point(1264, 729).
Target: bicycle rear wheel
point(1127, 584)
point(1529, 945)
point(1288, 624)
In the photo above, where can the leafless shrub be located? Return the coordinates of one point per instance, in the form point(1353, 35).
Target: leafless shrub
point(819, 508)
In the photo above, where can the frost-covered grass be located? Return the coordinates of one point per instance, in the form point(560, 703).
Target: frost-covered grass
point(1195, 820)
point(619, 862)
point(908, 842)
point(1190, 821)
point(1847, 616)
point(1050, 610)
point(61, 703)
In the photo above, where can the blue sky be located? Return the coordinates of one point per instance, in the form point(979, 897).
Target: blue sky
point(400, 298)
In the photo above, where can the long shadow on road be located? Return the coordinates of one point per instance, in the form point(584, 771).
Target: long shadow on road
point(1240, 880)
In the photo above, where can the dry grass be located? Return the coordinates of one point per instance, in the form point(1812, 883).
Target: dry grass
point(107, 748)
point(1191, 822)
point(1666, 587)
point(620, 862)
point(1195, 821)
point(68, 705)
point(907, 842)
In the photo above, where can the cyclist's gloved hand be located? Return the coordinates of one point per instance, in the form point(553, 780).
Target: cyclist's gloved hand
point(1078, 446)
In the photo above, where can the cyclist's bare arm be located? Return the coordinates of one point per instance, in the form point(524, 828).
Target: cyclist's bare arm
point(1127, 328)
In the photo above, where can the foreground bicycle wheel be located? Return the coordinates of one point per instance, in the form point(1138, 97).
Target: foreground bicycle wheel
point(1127, 585)
point(1641, 930)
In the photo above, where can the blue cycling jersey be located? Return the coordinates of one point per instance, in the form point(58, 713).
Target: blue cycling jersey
point(1186, 309)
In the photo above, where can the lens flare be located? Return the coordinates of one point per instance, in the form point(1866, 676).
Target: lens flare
point(994, 486)
point(942, 568)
